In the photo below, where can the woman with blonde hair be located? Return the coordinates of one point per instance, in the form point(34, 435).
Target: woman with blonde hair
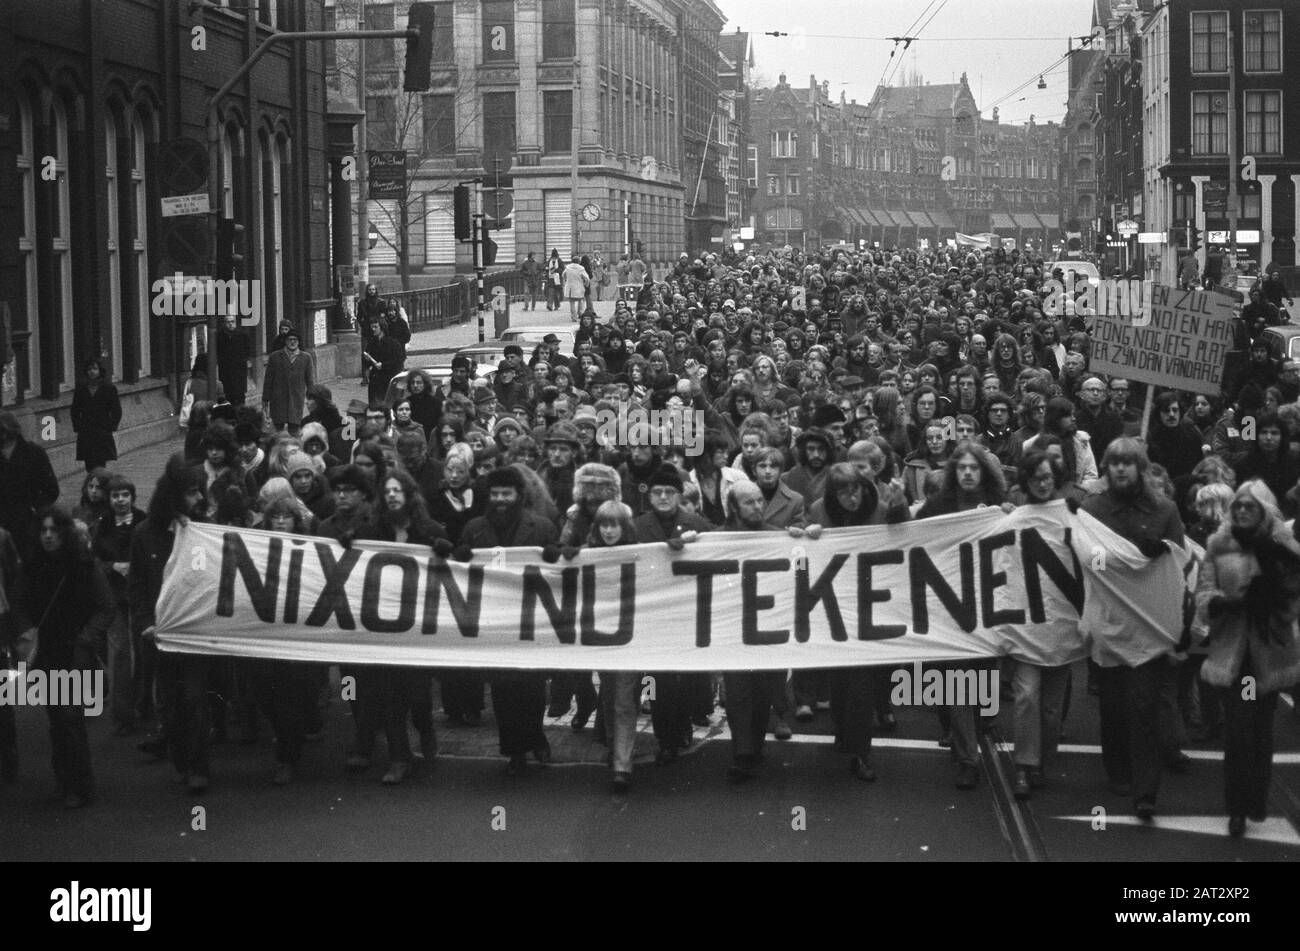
point(1248, 591)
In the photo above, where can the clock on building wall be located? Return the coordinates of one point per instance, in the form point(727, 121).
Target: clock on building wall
point(591, 212)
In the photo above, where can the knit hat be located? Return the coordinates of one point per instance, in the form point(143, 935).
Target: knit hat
point(667, 474)
point(298, 461)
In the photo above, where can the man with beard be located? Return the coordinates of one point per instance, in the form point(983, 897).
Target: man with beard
point(1136, 737)
point(676, 694)
point(518, 698)
point(643, 461)
point(813, 449)
point(972, 479)
point(182, 678)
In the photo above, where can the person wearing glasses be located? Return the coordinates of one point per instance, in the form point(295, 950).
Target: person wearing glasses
point(1118, 391)
point(1096, 418)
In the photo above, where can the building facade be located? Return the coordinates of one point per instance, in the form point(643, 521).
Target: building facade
point(1210, 47)
point(89, 94)
point(918, 163)
point(512, 79)
point(740, 161)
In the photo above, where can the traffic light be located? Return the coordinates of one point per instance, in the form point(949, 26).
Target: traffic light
point(460, 205)
point(1193, 237)
point(230, 248)
point(419, 48)
point(489, 250)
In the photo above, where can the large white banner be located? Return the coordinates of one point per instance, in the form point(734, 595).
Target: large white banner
point(974, 585)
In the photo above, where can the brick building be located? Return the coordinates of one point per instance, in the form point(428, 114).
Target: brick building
point(1186, 95)
point(88, 92)
point(918, 162)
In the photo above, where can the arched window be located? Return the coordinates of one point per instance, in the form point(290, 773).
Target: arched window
point(138, 249)
point(29, 376)
point(59, 330)
point(1084, 170)
point(113, 242)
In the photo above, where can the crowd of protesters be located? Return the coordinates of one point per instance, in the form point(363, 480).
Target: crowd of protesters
point(841, 389)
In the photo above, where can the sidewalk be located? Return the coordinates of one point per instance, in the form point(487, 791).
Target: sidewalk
point(144, 465)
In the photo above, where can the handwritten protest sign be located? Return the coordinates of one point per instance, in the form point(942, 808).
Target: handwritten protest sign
point(1180, 343)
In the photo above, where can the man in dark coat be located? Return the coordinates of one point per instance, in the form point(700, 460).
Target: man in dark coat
point(27, 483)
point(233, 351)
point(182, 678)
point(112, 546)
point(1095, 417)
point(518, 699)
point(385, 356)
point(667, 521)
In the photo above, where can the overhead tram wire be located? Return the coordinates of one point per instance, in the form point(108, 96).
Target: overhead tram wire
point(906, 40)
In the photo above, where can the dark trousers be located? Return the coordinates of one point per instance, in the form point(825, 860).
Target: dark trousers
point(565, 685)
point(1247, 751)
point(750, 694)
point(853, 693)
point(519, 704)
point(810, 686)
point(671, 709)
point(286, 693)
point(70, 749)
point(144, 678)
point(8, 740)
point(186, 712)
point(462, 693)
point(1136, 736)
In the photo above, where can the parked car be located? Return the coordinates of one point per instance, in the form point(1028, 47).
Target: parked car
point(529, 336)
point(1284, 341)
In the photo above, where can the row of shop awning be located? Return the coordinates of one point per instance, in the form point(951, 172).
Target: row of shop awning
point(930, 220)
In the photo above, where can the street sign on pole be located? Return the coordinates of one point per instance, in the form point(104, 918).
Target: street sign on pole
point(1127, 227)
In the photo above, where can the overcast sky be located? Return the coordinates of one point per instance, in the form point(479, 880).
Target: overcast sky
point(998, 43)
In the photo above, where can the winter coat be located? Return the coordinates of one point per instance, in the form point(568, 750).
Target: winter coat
point(1234, 635)
point(727, 477)
point(576, 281)
point(284, 387)
point(786, 508)
point(70, 601)
point(531, 531)
point(27, 483)
point(95, 417)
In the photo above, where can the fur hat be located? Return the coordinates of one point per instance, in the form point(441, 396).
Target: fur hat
point(312, 431)
point(563, 431)
point(593, 476)
point(506, 477)
point(667, 474)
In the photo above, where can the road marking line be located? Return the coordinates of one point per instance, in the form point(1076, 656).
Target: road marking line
point(1270, 830)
